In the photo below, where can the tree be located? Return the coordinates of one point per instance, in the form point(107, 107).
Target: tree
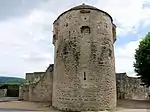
point(142, 60)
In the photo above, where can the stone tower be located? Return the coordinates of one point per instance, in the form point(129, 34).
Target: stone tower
point(84, 69)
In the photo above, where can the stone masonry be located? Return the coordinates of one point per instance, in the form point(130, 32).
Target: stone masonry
point(83, 75)
point(84, 64)
point(3, 92)
point(42, 89)
point(24, 92)
point(127, 88)
point(32, 77)
point(130, 88)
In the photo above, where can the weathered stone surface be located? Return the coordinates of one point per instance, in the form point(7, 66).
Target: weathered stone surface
point(34, 77)
point(84, 69)
point(25, 89)
point(41, 90)
point(3, 92)
point(20, 92)
point(130, 88)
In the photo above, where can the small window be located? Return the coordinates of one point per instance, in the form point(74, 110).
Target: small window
point(85, 11)
point(69, 34)
point(84, 75)
point(54, 36)
point(110, 53)
point(85, 29)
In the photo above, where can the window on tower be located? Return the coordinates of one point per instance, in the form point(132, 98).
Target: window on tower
point(85, 29)
point(85, 11)
point(84, 75)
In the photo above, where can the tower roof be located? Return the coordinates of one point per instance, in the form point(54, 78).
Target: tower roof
point(83, 6)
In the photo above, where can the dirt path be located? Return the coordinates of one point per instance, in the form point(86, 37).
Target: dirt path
point(134, 104)
point(23, 105)
point(123, 106)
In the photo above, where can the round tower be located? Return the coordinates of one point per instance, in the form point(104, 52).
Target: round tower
point(84, 65)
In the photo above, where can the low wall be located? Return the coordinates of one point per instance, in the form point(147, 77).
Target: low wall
point(32, 77)
point(3, 92)
point(20, 92)
point(25, 92)
point(130, 88)
point(41, 91)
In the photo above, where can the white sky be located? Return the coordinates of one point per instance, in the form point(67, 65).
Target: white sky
point(26, 32)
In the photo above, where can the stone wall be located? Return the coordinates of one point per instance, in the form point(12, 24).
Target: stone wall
point(30, 78)
point(3, 92)
point(127, 88)
point(20, 92)
point(34, 77)
point(130, 88)
point(41, 90)
point(25, 92)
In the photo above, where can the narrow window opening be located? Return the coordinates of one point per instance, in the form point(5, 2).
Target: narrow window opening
point(85, 29)
point(69, 34)
point(110, 53)
point(84, 75)
point(54, 36)
point(85, 11)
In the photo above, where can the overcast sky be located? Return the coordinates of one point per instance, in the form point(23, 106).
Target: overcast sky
point(26, 32)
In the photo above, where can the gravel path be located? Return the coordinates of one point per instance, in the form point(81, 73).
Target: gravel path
point(20, 106)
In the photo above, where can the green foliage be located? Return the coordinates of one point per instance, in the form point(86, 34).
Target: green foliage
point(11, 80)
point(142, 60)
